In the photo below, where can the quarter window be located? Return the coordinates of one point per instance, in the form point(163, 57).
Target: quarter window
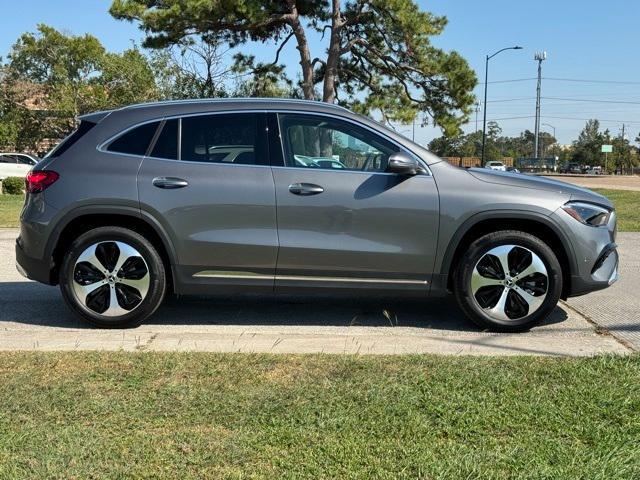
point(166, 145)
point(136, 141)
point(326, 143)
point(222, 138)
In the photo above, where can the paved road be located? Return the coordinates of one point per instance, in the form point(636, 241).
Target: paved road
point(33, 316)
point(614, 182)
point(617, 308)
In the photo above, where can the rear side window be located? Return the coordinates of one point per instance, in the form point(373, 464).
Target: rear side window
point(166, 145)
point(7, 159)
point(223, 138)
point(136, 141)
point(68, 142)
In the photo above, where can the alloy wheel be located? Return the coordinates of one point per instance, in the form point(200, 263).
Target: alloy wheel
point(110, 278)
point(509, 282)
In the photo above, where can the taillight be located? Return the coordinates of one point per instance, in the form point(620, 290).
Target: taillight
point(40, 180)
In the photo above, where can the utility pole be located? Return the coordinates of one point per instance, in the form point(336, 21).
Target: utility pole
point(622, 150)
point(539, 57)
point(477, 110)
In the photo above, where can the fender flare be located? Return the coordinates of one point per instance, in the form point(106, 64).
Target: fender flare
point(467, 225)
point(124, 210)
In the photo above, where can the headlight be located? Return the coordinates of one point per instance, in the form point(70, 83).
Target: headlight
point(588, 213)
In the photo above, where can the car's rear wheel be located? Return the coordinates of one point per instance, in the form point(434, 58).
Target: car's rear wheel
point(508, 281)
point(112, 277)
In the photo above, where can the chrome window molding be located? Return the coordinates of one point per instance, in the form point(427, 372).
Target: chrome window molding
point(102, 146)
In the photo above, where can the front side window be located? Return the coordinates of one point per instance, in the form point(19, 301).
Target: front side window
point(7, 159)
point(320, 142)
point(222, 138)
point(136, 141)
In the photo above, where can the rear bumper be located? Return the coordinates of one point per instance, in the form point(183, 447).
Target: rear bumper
point(32, 268)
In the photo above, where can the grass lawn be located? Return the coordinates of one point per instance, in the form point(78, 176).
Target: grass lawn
point(174, 415)
point(10, 206)
point(627, 204)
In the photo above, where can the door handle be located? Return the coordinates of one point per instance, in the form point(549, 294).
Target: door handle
point(169, 182)
point(305, 189)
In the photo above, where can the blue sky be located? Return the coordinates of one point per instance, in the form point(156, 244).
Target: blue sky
point(585, 40)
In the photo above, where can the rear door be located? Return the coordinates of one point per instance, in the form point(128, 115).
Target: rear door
point(207, 181)
point(344, 222)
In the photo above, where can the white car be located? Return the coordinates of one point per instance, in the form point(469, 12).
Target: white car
point(15, 164)
point(496, 166)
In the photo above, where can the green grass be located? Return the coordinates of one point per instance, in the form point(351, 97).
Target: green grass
point(10, 206)
point(627, 205)
point(173, 415)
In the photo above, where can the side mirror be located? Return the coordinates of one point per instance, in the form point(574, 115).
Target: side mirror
point(403, 164)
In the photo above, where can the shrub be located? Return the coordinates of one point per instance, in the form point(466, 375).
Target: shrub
point(13, 185)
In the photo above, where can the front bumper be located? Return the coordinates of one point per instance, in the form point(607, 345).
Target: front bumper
point(604, 273)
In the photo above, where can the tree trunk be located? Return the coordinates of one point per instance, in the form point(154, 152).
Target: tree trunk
point(303, 48)
point(331, 69)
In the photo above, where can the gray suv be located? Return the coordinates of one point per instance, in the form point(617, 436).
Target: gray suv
point(297, 197)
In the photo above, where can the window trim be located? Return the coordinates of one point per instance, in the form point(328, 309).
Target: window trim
point(285, 148)
point(101, 147)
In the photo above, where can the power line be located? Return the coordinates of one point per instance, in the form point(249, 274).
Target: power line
point(591, 101)
point(581, 80)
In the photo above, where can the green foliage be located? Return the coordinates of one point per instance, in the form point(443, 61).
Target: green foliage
point(497, 146)
point(379, 58)
point(51, 78)
point(13, 185)
point(587, 149)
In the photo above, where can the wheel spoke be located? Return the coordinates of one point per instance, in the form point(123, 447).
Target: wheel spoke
point(536, 266)
point(478, 281)
point(126, 252)
point(83, 291)
point(89, 256)
point(498, 311)
point(114, 309)
point(142, 285)
point(533, 301)
point(502, 254)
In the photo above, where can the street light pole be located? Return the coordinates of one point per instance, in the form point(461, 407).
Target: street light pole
point(486, 84)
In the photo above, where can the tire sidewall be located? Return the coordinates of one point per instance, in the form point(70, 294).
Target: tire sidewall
point(477, 250)
point(157, 280)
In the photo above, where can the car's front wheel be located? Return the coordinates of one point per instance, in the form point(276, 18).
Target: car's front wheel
point(508, 281)
point(112, 277)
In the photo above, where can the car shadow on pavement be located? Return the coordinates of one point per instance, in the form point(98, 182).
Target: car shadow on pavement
point(34, 304)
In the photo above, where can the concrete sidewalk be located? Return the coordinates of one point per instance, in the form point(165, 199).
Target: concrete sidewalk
point(34, 317)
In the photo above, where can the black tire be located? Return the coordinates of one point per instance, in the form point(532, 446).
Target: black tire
point(470, 305)
point(143, 306)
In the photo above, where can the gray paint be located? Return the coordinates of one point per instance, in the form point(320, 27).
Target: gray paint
point(366, 232)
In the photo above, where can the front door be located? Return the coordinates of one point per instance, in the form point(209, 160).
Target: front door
point(208, 182)
point(343, 222)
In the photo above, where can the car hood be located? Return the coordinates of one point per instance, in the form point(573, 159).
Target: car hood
point(539, 183)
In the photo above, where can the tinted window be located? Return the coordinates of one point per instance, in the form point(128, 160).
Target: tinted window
point(68, 142)
point(24, 160)
point(136, 141)
point(7, 159)
point(225, 138)
point(320, 142)
point(167, 143)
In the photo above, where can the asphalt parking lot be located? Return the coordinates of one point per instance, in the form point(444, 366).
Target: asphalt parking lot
point(34, 317)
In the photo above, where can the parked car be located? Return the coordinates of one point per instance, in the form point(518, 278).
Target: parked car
point(131, 208)
point(15, 164)
point(595, 170)
point(571, 168)
point(495, 165)
point(512, 170)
